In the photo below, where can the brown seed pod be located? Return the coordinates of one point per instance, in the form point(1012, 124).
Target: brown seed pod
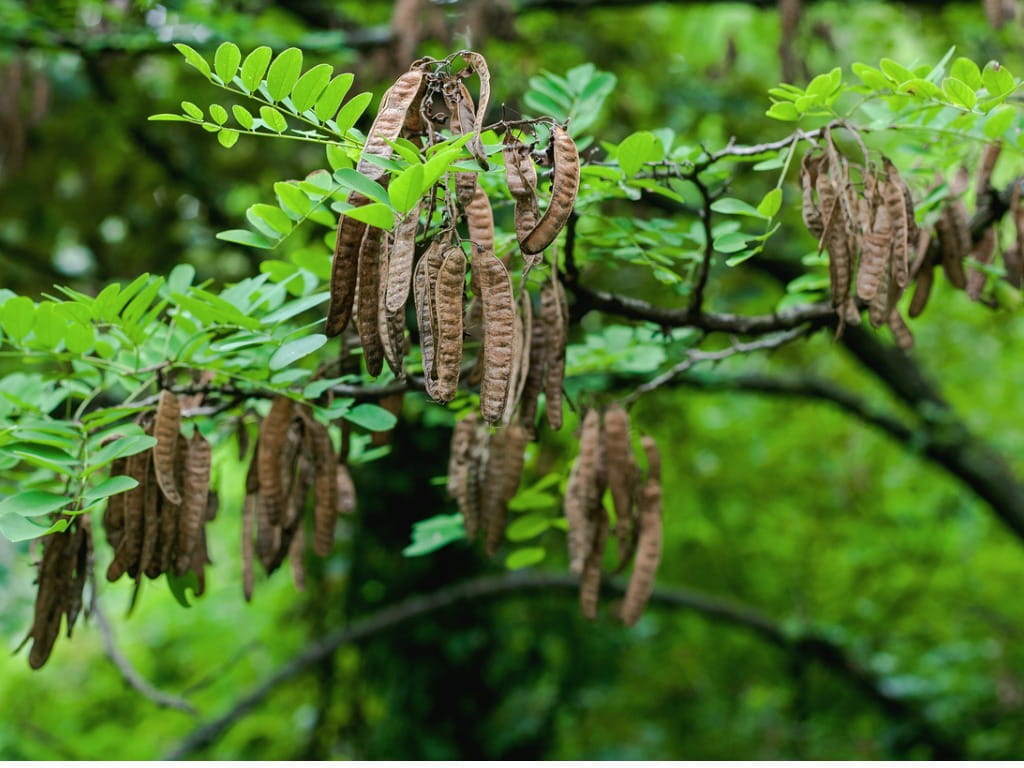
point(193, 508)
point(648, 554)
point(344, 268)
point(325, 512)
point(876, 257)
point(296, 555)
point(248, 545)
point(390, 325)
point(922, 290)
point(834, 238)
point(955, 238)
point(459, 461)
point(900, 220)
point(499, 332)
point(537, 367)
point(590, 579)
point(553, 314)
point(148, 555)
point(79, 565)
point(400, 259)
point(520, 172)
point(394, 107)
point(900, 332)
point(983, 252)
point(424, 281)
point(809, 167)
point(480, 219)
point(50, 597)
point(502, 475)
point(622, 474)
point(269, 450)
point(165, 429)
point(521, 367)
point(113, 514)
point(170, 514)
point(126, 558)
point(479, 65)
point(583, 491)
point(448, 295)
point(367, 300)
point(989, 157)
point(346, 491)
point(565, 183)
point(463, 120)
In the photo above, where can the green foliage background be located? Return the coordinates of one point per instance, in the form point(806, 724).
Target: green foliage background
point(792, 507)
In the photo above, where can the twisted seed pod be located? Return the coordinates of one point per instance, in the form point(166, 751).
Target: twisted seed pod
point(344, 268)
point(840, 261)
point(499, 332)
point(622, 475)
point(583, 492)
point(955, 238)
point(520, 172)
point(170, 514)
point(503, 474)
point(809, 167)
point(390, 325)
point(346, 491)
point(983, 252)
point(900, 332)
point(269, 449)
point(463, 118)
point(590, 579)
point(451, 282)
point(394, 107)
point(458, 469)
point(564, 185)
point(400, 258)
point(899, 218)
point(193, 509)
point(648, 554)
point(479, 65)
point(922, 290)
point(553, 311)
point(367, 300)
point(166, 427)
point(424, 281)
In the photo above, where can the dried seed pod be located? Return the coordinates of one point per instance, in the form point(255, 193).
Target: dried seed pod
point(479, 65)
point(344, 268)
point(922, 290)
point(502, 475)
point(463, 119)
point(248, 545)
point(553, 314)
point(50, 598)
point(424, 281)
point(622, 474)
point(459, 460)
point(537, 368)
point(809, 167)
point(126, 558)
point(193, 508)
point(590, 579)
point(170, 514)
point(394, 107)
point(989, 157)
point(955, 238)
point(346, 491)
point(400, 259)
point(269, 450)
point(165, 429)
point(113, 514)
point(480, 219)
point(583, 491)
point(521, 366)
point(390, 325)
point(325, 513)
point(834, 237)
point(564, 185)
point(876, 257)
point(900, 332)
point(499, 332)
point(148, 562)
point(900, 220)
point(520, 172)
point(448, 294)
point(296, 555)
point(648, 554)
point(983, 252)
point(367, 300)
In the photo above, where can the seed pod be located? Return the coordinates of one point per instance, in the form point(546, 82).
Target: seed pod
point(622, 474)
point(983, 252)
point(390, 325)
point(148, 562)
point(344, 268)
point(79, 564)
point(170, 514)
point(463, 118)
point(648, 555)
point(451, 282)
point(296, 555)
point(564, 185)
point(1013, 257)
point(367, 299)
point(325, 513)
point(269, 448)
point(502, 475)
point(521, 366)
point(553, 314)
point(809, 167)
point(459, 460)
point(424, 284)
point(479, 65)
point(50, 603)
point(480, 219)
point(126, 559)
point(499, 332)
point(923, 289)
point(900, 332)
point(876, 256)
point(166, 427)
point(248, 547)
point(400, 258)
point(989, 157)
point(474, 491)
point(537, 367)
point(900, 220)
point(346, 491)
point(955, 238)
point(583, 491)
point(834, 237)
point(394, 107)
point(193, 509)
point(200, 559)
point(113, 514)
point(590, 579)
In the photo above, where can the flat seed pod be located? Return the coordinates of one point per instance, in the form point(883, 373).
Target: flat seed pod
point(479, 65)
point(148, 556)
point(126, 558)
point(876, 257)
point(269, 450)
point(840, 261)
point(499, 332)
point(248, 544)
point(922, 290)
point(346, 491)
point(424, 281)
point(390, 327)
point(400, 259)
point(520, 172)
point(344, 268)
point(590, 579)
point(553, 310)
point(983, 252)
point(325, 512)
point(524, 335)
point(170, 514)
point(621, 469)
point(367, 298)
point(648, 554)
point(480, 219)
point(809, 166)
point(537, 367)
point(463, 119)
point(193, 510)
point(296, 555)
point(49, 605)
point(503, 474)
point(113, 513)
point(388, 124)
point(448, 296)
point(900, 332)
point(583, 491)
point(895, 206)
point(459, 460)
point(165, 429)
point(955, 238)
point(565, 183)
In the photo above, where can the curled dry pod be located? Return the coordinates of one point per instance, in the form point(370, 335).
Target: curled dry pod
point(193, 508)
point(391, 116)
point(900, 332)
point(621, 470)
point(346, 491)
point(922, 290)
point(367, 300)
point(565, 183)
point(499, 332)
point(458, 469)
point(463, 118)
point(834, 238)
point(269, 450)
point(648, 553)
point(170, 514)
point(503, 473)
point(554, 316)
point(590, 579)
point(165, 429)
point(583, 491)
point(344, 268)
point(451, 282)
point(955, 238)
point(390, 325)
point(424, 282)
point(400, 259)
point(900, 221)
point(809, 166)
point(479, 65)
point(983, 252)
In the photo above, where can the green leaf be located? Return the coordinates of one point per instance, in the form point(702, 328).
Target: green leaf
point(178, 584)
point(269, 219)
point(959, 92)
point(273, 119)
point(896, 71)
point(110, 487)
point(294, 350)
point(293, 199)
point(33, 503)
point(770, 203)
point(337, 157)
point(731, 242)
point(169, 118)
point(870, 76)
point(636, 150)
point(119, 448)
point(16, 317)
point(283, 73)
point(79, 338)
point(244, 237)
point(192, 110)
point(999, 121)
point(254, 66)
point(732, 205)
point(329, 101)
point(226, 60)
point(967, 71)
point(783, 110)
point(375, 214)
point(997, 79)
point(17, 528)
point(193, 58)
point(309, 87)
point(227, 137)
point(371, 417)
point(406, 189)
point(218, 113)
point(351, 112)
point(524, 557)
point(527, 527)
point(243, 116)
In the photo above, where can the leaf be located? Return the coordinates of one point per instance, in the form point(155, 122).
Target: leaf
point(193, 58)
point(351, 112)
point(16, 317)
point(966, 70)
point(999, 121)
point(178, 584)
point(226, 60)
point(770, 203)
point(294, 350)
point(227, 138)
point(997, 79)
point(732, 205)
point(371, 417)
point(254, 66)
point(33, 503)
point(375, 214)
point(119, 448)
point(169, 118)
point(293, 199)
point(337, 157)
point(636, 150)
point(783, 110)
point(110, 487)
point(524, 557)
point(218, 113)
point(895, 71)
point(283, 73)
point(273, 119)
point(79, 338)
point(244, 237)
point(406, 189)
point(527, 527)
point(731, 242)
point(243, 116)
point(329, 101)
point(959, 93)
point(309, 87)
point(269, 219)
point(192, 110)
point(17, 528)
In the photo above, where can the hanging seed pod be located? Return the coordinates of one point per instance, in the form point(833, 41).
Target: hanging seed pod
point(463, 119)
point(193, 509)
point(166, 427)
point(367, 299)
point(590, 579)
point(983, 252)
point(554, 316)
point(170, 514)
point(448, 296)
point(537, 368)
point(400, 259)
point(113, 514)
point(900, 332)
point(480, 219)
point(458, 470)
point(424, 284)
point(148, 562)
point(900, 221)
point(296, 555)
point(503, 474)
point(564, 185)
point(126, 558)
point(50, 603)
point(391, 117)
point(876, 257)
point(499, 332)
point(344, 267)
point(325, 512)
point(269, 449)
point(390, 325)
point(479, 65)
point(648, 554)
point(346, 491)
point(922, 290)
point(583, 491)
point(809, 167)
point(622, 472)
point(955, 238)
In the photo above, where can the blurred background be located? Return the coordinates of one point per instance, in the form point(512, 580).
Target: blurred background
point(808, 520)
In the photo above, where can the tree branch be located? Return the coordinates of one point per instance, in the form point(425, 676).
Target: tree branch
point(808, 644)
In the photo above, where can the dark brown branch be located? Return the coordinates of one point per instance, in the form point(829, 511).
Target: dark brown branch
point(809, 645)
